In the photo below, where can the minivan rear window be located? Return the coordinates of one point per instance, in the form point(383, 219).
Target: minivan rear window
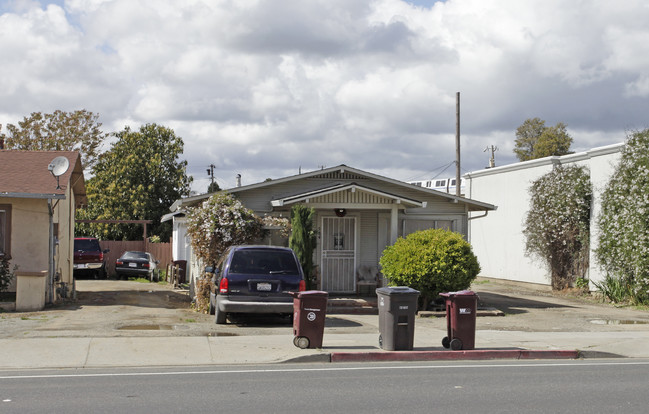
point(263, 262)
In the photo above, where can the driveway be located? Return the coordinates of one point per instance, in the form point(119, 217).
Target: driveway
point(107, 308)
point(112, 308)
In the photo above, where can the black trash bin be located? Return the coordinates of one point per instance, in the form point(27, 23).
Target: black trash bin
point(309, 313)
point(461, 308)
point(397, 309)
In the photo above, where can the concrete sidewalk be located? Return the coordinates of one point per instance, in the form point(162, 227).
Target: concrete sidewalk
point(108, 329)
point(75, 352)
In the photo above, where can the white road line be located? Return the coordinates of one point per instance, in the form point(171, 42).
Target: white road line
point(325, 369)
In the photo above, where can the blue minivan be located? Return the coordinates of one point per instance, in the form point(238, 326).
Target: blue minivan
point(255, 279)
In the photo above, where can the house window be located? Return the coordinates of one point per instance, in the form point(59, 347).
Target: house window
point(5, 230)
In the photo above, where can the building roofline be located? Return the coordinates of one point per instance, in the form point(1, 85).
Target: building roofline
point(474, 205)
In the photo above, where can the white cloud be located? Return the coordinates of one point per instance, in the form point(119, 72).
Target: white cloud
point(263, 87)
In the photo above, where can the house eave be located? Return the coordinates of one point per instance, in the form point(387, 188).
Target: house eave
point(34, 196)
point(353, 187)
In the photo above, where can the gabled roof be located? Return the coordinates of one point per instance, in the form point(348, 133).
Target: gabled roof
point(25, 174)
point(349, 174)
point(353, 187)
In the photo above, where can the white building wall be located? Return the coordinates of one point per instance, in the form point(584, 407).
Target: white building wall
point(602, 167)
point(498, 239)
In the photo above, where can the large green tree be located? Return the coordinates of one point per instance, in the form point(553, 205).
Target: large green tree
point(535, 140)
point(137, 179)
point(59, 131)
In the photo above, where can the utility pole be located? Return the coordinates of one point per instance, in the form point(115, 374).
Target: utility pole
point(457, 144)
point(492, 160)
point(210, 172)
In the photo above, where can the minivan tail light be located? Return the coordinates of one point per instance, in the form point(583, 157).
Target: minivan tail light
point(302, 286)
point(223, 286)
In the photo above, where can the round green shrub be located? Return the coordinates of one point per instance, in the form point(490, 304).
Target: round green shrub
point(431, 261)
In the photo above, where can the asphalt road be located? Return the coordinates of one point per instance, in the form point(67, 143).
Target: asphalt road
point(601, 386)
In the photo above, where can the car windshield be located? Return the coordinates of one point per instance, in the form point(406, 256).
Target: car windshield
point(263, 262)
point(135, 255)
point(86, 244)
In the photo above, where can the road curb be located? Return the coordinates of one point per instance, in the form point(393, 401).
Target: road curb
point(453, 355)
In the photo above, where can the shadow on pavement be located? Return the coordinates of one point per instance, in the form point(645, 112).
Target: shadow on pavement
point(512, 305)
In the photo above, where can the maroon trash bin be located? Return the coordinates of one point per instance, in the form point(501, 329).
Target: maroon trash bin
point(309, 312)
point(461, 308)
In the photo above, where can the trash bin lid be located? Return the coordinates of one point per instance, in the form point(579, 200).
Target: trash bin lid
point(459, 293)
point(397, 290)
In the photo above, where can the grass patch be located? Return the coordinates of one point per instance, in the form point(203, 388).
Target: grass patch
point(141, 280)
point(39, 318)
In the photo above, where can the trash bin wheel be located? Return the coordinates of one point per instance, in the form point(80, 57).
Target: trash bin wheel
point(456, 344)
point(446, 342)
point(302, 342)
point(295, 338)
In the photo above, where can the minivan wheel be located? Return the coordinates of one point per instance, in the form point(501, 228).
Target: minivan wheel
point(219, 316)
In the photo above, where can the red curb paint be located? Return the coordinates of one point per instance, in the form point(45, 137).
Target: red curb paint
point(450, 355)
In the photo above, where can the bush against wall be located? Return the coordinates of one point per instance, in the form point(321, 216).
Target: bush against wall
point(623, 223)
point(557, 225)
point(219, 222)
point(431, 261)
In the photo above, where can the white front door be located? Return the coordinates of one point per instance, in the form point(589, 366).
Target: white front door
point(338, 267)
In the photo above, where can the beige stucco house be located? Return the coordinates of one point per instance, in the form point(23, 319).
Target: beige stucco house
point(37, 220)
point(358, 214)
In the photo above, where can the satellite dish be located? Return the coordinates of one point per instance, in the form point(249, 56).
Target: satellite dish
point(58, 166)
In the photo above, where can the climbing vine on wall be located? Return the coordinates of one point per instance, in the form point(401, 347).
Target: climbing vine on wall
point(557, 226)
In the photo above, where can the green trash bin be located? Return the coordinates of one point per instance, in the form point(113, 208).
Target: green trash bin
point(397, 310)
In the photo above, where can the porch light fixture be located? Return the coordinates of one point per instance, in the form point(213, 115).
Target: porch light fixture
point(340, 212)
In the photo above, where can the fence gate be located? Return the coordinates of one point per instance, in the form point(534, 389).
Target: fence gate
point(338, 267)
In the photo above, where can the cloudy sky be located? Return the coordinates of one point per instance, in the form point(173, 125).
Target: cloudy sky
point(263, 88)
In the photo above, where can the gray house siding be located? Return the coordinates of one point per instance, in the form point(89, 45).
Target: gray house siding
point(358, 214)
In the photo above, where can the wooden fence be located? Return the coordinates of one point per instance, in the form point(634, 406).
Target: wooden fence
point(161, 251)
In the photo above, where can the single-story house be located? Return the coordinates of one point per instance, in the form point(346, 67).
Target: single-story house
point(498, 240)
point(358, 214)
point(37, 218)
